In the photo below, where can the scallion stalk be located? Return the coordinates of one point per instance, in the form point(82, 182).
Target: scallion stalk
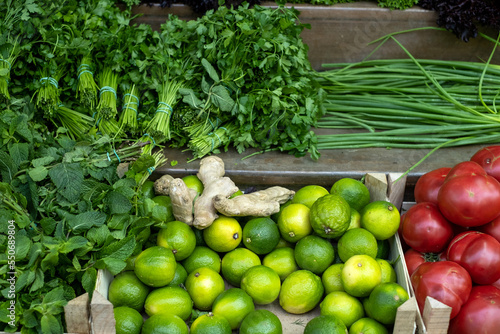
point(130, 110)
point(87, 88)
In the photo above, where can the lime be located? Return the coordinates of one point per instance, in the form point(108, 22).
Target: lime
point(353, 191)
point(166, 203)
point(148, 189)
point(325, 324)
point(261, 235)
point(155, 266)
point(330, 216)
point(342, 305)
point(360, 275)
point(300, 292)
point(179, 277)
point(282, 261)
point(383, 249)
point(331, 278)
point(381, 218)
point(210, 323)
point(204, 285)
point(367, 325)
point(314, 253)
point(355, 219)
point(383, 302)
point(283, 243)
point(276, 215)
point(261, 322)
point(171, 300)
point(193, 182)
point(357, 241)
point(262, 284)
point(234, 304)
point(309, 194)
point(388, 272)
point(238, 193)
point(202, 256)
point(236, 262)
point(223, 235)
point(126, 289)
point(199, 237)
point(127, 320)
point(179, 237)
point(294, 223)
point(164, 324)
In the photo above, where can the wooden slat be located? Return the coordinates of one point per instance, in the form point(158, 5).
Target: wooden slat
point(76, 315)
point(101, 311)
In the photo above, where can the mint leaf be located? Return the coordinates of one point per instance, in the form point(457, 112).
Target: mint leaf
point(44, 161)
point(23, 245)
point(85, 220)
point(39, 280)
point(88, 280)
point(220, 97)
point(115, 266)
point(118, 203)
point(68, 179)
point(7, 167)
point(119, 250)
point(212, 73)
point(39, 173)
point(73, 243)
point(98, 235)
point(19, 153)
point(50, 324)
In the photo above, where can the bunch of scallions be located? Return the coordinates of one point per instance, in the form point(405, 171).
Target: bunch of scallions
point(410, 103)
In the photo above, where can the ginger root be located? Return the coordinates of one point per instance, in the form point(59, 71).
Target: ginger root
point(181, 196)
point(261, 203)
point(211, 174)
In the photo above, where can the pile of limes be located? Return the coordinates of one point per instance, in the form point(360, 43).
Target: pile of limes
point(324, 250)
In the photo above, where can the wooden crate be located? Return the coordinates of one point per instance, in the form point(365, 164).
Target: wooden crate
point(435, 318)
point(382, 186)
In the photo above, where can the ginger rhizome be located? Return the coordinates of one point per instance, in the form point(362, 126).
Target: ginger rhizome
point(181, 196)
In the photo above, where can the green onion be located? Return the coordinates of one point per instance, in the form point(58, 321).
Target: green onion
point(128, 118)
point(47, 95)
point(5, 67)
point(108, 81)
point(87, 88)
point(211, 142)
point(76, 123)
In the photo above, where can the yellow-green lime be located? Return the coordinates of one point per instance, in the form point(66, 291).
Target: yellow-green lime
point(355, 219)
point(383, 249)
point(179, 237)
point(193, 182)
point(261, 235)
point(353, 191)
point(127, 320)
point(238, 193)
point(325, 324)
point(130, 262)
point(383, 302)
point(166, 203)
point(155, 266)
point(307, 195)
point(204, 285)
point(179, 277)
point(367, 325)
point(360, 275)
point(171, 300)
point(276, 215)
point(330, 216)
point(262, 284)
point(223, 235)
point(236, 262)
point(381, 218)
point(331, 278)
point(164, 324)
point(126, 289)
point(234, 304)
point(283, 243)
point(294, 223)
point(210, 323)
point(357, 241)
point(282, 261)
point(388, 272)
point(300, 292)
point(202, 256)
point(314, 253)
point(347, 308)
point(261, 322)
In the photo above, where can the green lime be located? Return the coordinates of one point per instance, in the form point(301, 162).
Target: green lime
point(381, 218)
point(234, 304)
point(155, 266)
point(331, 278)
point(383, 302)
point(353, 191)
point(276, 215)
point(204, 285)
point(179, 237)
point(179, 277)
point(357, 241)
point(164, 323)
point(193, 182)
point(367, 325)
point(388, 272)
point(330, 216)
point(309, 194)
point(300, 292)
point(166, 203)
point(325, 324)
point(347, 308)
point(355, 219)
point(262, 284)
point(210, 323)
point(314, 253)
point(282, 261)
point(294, 223)
point(202, 256)
point(148, 189)
point(383, 249)
point(223, 235)
point(261, 322)
point(236, 262)
point(127, 320)
point(171, 300)
point(126, 289)
point(360, 275)
point(283, 243)
point(261, 235)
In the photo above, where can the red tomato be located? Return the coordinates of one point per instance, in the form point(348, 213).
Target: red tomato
point(445, 281)
point(425, 229)
point(492, 228)
point(470, 200)
point(427, 186)
point(488, 158)
point(480, 314)
point(413, 259)
point(478, 253)
point(465, 168)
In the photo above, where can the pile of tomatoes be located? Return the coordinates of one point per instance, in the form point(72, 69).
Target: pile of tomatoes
point(452, 240)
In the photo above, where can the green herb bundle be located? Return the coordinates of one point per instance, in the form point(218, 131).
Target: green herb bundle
point(211, 142)
point(47, 94)
point(108, 83)
point(130, 110)
point(87, 88)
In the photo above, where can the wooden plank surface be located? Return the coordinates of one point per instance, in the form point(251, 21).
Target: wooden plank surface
point(76, 315)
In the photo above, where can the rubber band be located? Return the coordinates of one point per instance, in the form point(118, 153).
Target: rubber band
point(85, 66)
point(109, 158)
point(107, 89)
point(223, 128)
point(147, 135)
point(151, 170)
point(93, 115)
point(84, 71)
point(117, 156)
point(7, 62)
point(135, 97)
point(165, 104)
point(51, 81)
point(126, 106)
